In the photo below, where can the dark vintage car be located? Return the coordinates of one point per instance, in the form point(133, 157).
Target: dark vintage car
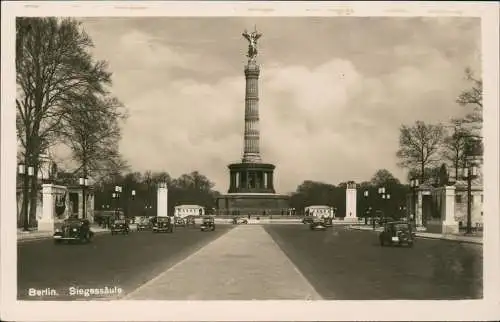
point(318, 223)
point(73, 229)
point(120, 226)
point(239, 220)
point(397, 233)
point(163, 224)
point(208, 224)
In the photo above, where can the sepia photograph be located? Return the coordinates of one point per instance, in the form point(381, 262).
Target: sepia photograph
point(312, 158)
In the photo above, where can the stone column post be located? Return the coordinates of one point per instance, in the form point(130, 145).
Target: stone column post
point(162, 200)
point(419, 203)
point(450, 225)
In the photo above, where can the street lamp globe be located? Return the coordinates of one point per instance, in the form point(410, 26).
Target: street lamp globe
point(388, 196)
point(133, 192)
point(31, 171)
point(366, 193)
point(21, 169)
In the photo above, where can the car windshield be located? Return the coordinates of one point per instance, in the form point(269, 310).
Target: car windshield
point(400, 226)
point(163, 219)
point(208, 219)
point(73, 221)
point(119, 221)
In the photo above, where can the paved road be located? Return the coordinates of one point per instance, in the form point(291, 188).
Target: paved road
point(122, 261)
point(350, 265)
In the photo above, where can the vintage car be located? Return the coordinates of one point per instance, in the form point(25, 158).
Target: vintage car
point(143, 224)
point(120, 226)
point(328, 221)
point(163, 224)
point(190, 221)
point(208, 224)
point(179, 221)
point(307, 220)
point(318, 223)
point(397, 233)
point(73, 229)
point(239, 221)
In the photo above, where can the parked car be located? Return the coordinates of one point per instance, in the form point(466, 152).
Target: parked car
point(143, 224)
point(120, 226)
point(317, 223)
point(190, 221)
point(163, 224)
point(307, 220)
point(73, 229)
point(239, 221)
point(179, 221)
point(208, 224)
point(397, 233)
point(328, 221)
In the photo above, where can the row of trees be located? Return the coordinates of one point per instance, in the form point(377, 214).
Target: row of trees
point(320, 193)
point(427, 150)
point(63, 98)
point(192, 188)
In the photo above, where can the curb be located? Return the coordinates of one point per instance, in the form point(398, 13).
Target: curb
point(470, 241)
point(476, 242)
point(27, 240)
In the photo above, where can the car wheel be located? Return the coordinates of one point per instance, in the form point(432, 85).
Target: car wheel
point(382, 242)
point(57, 241)
point(410, 244)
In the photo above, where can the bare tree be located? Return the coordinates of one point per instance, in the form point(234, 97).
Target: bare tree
point(473, 97)
point(53, 65)
point(92, 131)
point(455, 145)
point(419, 146)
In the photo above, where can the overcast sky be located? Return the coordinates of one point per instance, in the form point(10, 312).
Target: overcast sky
point(333, 91)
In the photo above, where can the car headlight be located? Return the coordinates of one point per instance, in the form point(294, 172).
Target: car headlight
point(74, 229)
point(58, 230)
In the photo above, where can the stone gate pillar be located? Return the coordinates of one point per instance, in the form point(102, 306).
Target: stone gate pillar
point(450, 224)
point(351, 201)
point(162, 200)
point(50, 193)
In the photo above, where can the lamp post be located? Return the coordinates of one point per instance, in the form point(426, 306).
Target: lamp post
point(367, 208)
point(470, 173)
point(385, 196)
point(133, 198)
point(116, 196)
point(414, 184)
point(26, 182)
point(402, 210)
point(84, 182)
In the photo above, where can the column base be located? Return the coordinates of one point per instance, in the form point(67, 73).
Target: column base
point(46, 225)
point(450, 228)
